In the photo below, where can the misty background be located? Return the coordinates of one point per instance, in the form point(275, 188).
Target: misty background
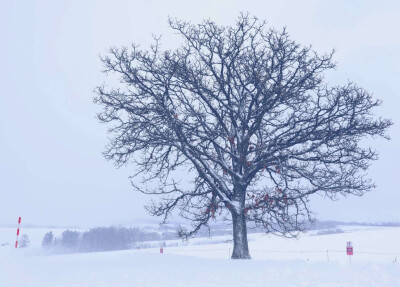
point(51, 168)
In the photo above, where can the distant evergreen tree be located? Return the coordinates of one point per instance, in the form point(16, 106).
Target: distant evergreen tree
point(107, 238)
point(24, 241)
point(47, 241)
point(70, 240)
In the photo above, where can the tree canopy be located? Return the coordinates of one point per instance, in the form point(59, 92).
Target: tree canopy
point(248, 111)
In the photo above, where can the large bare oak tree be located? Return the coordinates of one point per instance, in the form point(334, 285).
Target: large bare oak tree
point(247, 111)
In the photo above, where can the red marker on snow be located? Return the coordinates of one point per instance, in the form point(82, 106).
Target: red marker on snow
point(16, 241)
point(349, 248)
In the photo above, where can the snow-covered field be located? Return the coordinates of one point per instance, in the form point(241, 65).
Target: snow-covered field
point(276, 262)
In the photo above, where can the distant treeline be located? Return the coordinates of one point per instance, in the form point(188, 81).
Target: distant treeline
point(102, 239)
point(333, 224)
point(120, 238)
point(317, 225)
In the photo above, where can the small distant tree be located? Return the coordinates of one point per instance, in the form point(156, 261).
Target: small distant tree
point(56, 242)
point(24, 241)
point(47, 241)
point(247, 111)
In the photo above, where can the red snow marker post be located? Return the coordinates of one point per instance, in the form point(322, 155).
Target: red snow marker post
point(349, 250)
point(161, 250)
point(16, 240)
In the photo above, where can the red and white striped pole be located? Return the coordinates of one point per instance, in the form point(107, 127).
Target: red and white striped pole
point(16, 241)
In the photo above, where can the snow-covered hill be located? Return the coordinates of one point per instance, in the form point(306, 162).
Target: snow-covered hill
point(276, 262)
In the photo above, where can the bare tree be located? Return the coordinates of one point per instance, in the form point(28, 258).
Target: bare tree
point(247, 111)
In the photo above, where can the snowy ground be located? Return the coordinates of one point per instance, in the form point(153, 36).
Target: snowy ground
point(276, 262)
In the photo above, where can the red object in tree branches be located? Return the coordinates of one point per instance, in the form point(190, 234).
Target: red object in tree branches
point(175, 116)
point(232, 140)
point(277, 169)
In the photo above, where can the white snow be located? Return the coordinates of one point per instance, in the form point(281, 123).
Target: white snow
point(276, 262)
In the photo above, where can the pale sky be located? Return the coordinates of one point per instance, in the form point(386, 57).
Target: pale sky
point(51, 167)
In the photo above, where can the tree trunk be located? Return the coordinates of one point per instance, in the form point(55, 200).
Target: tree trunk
point(240, 246)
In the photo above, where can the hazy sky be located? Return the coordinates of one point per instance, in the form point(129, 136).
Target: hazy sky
point(51, 167)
